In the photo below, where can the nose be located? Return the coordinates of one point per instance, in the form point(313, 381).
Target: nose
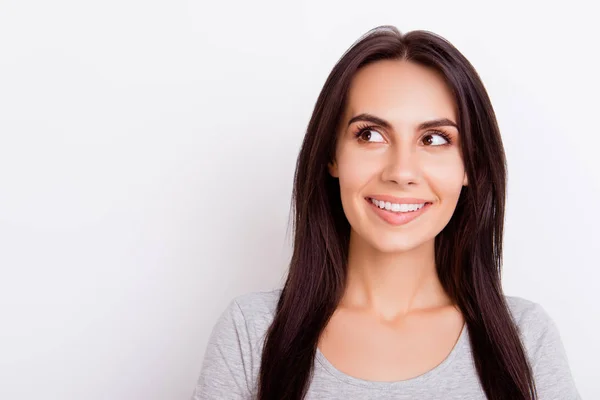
point(402, 165)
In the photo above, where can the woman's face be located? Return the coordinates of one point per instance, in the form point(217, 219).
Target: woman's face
point(403, 160)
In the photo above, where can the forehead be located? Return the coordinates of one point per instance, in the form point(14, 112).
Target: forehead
point(402, 92)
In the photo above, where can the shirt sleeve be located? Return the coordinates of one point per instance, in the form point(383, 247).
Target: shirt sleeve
point(226, 368)
point(552, 374)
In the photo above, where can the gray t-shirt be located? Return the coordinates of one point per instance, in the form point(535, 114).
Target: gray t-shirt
point(232, 360)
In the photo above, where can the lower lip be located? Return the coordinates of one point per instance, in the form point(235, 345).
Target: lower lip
point(398, 218)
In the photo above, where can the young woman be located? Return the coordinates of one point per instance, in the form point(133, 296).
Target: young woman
point(394, 288)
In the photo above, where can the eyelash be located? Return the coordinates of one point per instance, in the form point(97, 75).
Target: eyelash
point(364, 128)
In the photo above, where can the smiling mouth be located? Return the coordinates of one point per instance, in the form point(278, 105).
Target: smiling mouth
point(398, 216)
point(397, 207)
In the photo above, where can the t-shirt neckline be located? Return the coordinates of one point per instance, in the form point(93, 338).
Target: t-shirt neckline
point(456, 349)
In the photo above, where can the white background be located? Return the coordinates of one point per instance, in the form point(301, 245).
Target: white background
point(147, 152)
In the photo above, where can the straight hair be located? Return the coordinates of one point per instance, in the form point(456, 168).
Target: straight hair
point(468, 251)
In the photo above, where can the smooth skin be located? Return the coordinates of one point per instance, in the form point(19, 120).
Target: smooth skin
point(395, 321)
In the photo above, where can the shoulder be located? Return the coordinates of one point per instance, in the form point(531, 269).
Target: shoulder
point(532, 319)
point(534, 323)
point(258, 303)
point(544, 348)
point(232, 357)
point(243, 323)
point(527, 312)
point(252, 313)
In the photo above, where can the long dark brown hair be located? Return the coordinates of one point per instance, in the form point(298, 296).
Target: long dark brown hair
point(468, 251)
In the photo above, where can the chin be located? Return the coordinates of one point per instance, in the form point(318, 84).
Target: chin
point(396, 242)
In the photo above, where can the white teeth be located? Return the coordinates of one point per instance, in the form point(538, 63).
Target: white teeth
point(397, 207)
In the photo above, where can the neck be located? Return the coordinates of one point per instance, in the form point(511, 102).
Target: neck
point(392, 284)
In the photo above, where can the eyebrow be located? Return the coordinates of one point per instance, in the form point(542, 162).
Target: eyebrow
point(382, 122)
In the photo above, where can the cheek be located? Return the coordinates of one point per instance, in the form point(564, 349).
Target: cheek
point(446, 178)
point(356, 171)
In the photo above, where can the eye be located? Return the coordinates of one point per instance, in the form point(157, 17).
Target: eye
point(365, 134)
point(444, 141)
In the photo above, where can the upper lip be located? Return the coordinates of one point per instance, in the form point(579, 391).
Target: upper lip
point(398, 200)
